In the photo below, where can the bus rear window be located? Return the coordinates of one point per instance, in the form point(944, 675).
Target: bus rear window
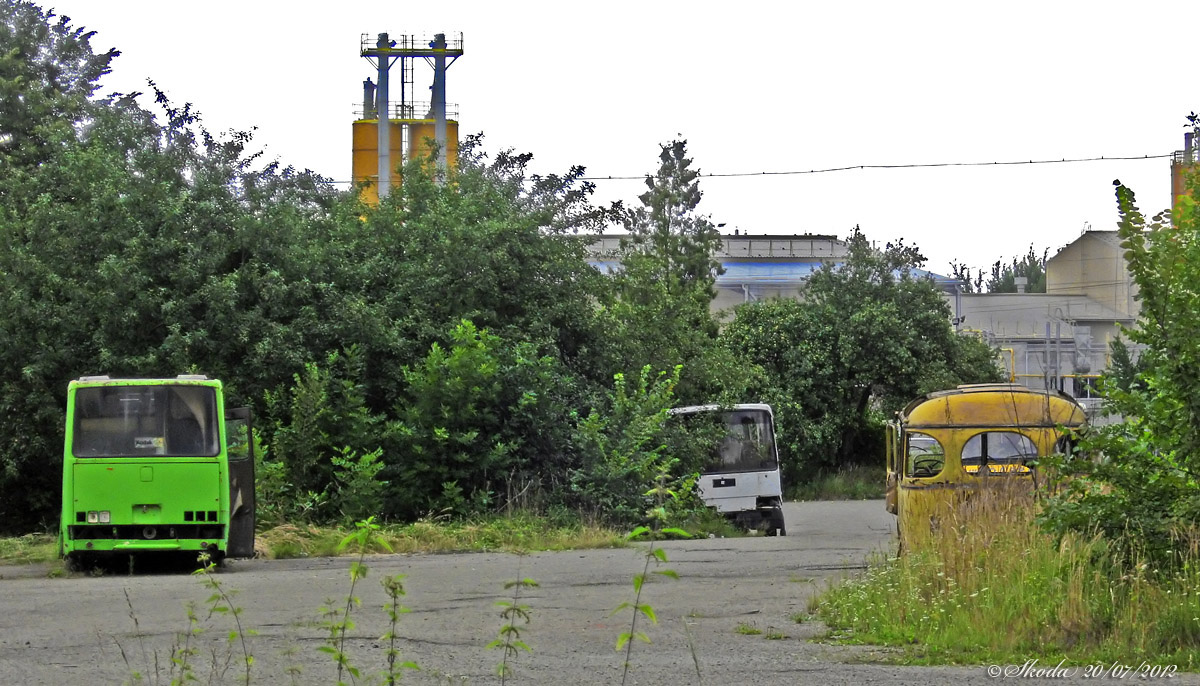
point(717, 441)
point(1001, 451)
point(137, 421)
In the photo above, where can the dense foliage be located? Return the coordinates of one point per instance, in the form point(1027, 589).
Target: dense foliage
point(450, 350)
point(667, 283)
point(1136, 481)
point(1031, 267)
point(869, 335)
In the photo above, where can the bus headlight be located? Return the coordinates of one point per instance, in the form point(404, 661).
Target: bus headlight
point(93, 517)
point(99, 517)
point(105, 517)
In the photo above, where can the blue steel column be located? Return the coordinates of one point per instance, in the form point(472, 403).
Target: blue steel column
point(439, 99)
point(381, 106)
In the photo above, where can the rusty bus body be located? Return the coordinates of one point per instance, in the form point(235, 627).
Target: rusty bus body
point(948, 444)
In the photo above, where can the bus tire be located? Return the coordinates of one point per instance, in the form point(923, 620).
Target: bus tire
point(79, 562)
point(776, 525)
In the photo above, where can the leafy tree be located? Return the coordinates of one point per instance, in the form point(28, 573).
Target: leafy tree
point(495, 246)
point(495, 250)
point(868, 336)
point(134, 247)
point(968, 283)
point(1136, 481)
point(48, 72)
point(320, 419)
point(667, 240)
point(666, 286)
point(143, 245)
point(130, 248)
point(1124, 370)
point(135, 242)
point(1032, 266)
point(622, 447)
point(1003, 276)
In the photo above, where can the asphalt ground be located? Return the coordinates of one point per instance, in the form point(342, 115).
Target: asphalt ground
point(102, 629)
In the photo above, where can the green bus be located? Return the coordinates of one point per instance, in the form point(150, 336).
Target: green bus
point(149, 467)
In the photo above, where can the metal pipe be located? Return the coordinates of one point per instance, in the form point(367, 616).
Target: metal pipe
point(1047, 367)
point(368, 100)
point(439, 100)
point(957, 305)
point(1058, 355)
point(381, 105)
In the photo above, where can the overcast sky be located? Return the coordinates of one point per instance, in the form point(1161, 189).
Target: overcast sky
point(753, 87)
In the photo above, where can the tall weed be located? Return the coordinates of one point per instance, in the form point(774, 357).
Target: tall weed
point(660, 495)
point(992, 585)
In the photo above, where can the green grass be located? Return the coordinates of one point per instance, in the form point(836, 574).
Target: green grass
point(854, 482)
point(708, 523)
point(521, 532)
point(29, 549)
point(516, 533)
point(992, 587)
point(747, 629)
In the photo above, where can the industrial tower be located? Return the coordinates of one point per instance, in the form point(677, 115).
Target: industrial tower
point(1183, 162)
point(388, 129)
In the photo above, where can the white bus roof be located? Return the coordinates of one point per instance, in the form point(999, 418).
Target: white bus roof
point(693, 409)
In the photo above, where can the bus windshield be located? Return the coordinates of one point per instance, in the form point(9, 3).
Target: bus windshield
point(138, 421)
point(737, 440)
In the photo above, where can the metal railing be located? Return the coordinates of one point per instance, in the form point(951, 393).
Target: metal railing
point(410, 42)
point(410, 110)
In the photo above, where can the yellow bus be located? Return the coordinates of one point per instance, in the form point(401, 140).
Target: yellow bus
point(947, 444)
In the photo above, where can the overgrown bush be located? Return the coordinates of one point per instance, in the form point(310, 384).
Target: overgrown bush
point(455, 334)
point(1136, 481)
point(993, 586)
point(622, 449)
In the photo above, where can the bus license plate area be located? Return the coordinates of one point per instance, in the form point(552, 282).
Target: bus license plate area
point(725, 482)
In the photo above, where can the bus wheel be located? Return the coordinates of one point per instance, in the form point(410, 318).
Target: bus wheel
point(71, 562)
point(775, 524)
point(79, 562)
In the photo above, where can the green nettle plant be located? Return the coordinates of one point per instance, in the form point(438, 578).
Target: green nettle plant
point(394, 587)
point(660, 495)
point(183, 651)
point(621, 448)
point(357, 491)
point(337, 621)
point(221, 603)
point(135, 676)
point(508, 639)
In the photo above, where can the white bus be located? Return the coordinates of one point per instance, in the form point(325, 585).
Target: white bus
point(740, 477)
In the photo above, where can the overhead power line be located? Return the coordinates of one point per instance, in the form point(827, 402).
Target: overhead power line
point(926, 165)
point(893, 166)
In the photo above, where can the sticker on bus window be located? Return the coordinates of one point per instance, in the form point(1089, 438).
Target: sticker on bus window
point(149, 442)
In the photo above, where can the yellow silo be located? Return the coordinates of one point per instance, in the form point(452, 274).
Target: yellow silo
point(365, 166)
point(421, 134)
